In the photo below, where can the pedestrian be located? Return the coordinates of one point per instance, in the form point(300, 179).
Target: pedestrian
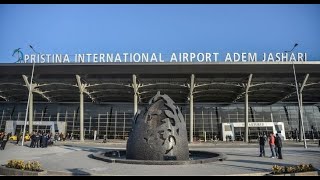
point(272, 145)
point(61, 137)
point(278, 142)
point(5, 139)
point(56, 137)
point(1, 139)
point(43, 140)
point(18, 138)
point(37, 139)
point(262, 141)
point(33, 139)
point(3, 144)
point(71, 136)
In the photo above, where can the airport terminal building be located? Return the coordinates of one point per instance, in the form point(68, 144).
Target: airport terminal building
point(216, 99)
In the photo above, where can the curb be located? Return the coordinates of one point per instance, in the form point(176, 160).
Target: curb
point(18, 172)
point(249, 174)
point(310, 173)
point(208, 157)
point(65, 173)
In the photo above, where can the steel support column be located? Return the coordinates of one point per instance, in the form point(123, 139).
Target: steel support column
point(135, 91)
point(31, 113)
point(81, 117)
point(301, 127)
point(299, 101)
point(246, 109)
point(30, 110)
point(191, 107)
point(81, 89)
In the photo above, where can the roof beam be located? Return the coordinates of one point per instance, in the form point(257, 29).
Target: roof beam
point(249, 83)
point(162, 83)
point(292, 93)
point(4, 97)
point(247, 86)
point(25, 78)
point(35, 88)
point(239, 96)
point(83, 88)
point(215, 90)
point(218, 83)
point(136, 86)
point(272, 83)
point(304, 82)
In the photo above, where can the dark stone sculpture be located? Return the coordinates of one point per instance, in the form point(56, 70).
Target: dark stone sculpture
point(159, 132)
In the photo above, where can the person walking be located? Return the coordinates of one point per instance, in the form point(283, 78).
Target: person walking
point(272, 144)
point(278, 142)
point(1, 139)
point(5, 140)
point(262, 141)
point(18, 137)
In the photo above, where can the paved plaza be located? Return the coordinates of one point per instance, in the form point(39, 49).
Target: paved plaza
point(72, 158)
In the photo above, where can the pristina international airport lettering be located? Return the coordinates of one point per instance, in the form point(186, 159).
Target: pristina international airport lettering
point(163, 58)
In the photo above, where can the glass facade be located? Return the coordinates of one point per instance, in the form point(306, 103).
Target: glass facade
point(115, 120)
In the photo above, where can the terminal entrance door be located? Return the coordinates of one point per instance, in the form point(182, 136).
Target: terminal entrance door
point(236, 131)
point(40, 128)
point(19, 128)
point(255, 131)
point(47, 126)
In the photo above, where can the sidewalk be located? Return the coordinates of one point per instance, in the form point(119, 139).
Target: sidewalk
point(122, 143)
point(72, 158)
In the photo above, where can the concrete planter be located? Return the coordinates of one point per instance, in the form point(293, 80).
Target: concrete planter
point(310, 173)
point(17, 172)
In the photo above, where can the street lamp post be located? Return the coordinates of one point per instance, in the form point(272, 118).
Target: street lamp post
point(27, 110)
point(299, 100)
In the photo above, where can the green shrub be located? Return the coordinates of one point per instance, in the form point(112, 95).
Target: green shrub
point(29, 166)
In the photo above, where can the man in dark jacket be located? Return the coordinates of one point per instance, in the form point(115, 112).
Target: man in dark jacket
point(262, 142)
point(279, 145)
point(33, 140)
point(37, 140)
point(296, 134)
point(44, 140)
point(3, 144)
point(18, 137)
point(1, 139)
point(5, 140)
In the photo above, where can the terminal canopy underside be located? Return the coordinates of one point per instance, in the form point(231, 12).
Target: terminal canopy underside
point(213, 83)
